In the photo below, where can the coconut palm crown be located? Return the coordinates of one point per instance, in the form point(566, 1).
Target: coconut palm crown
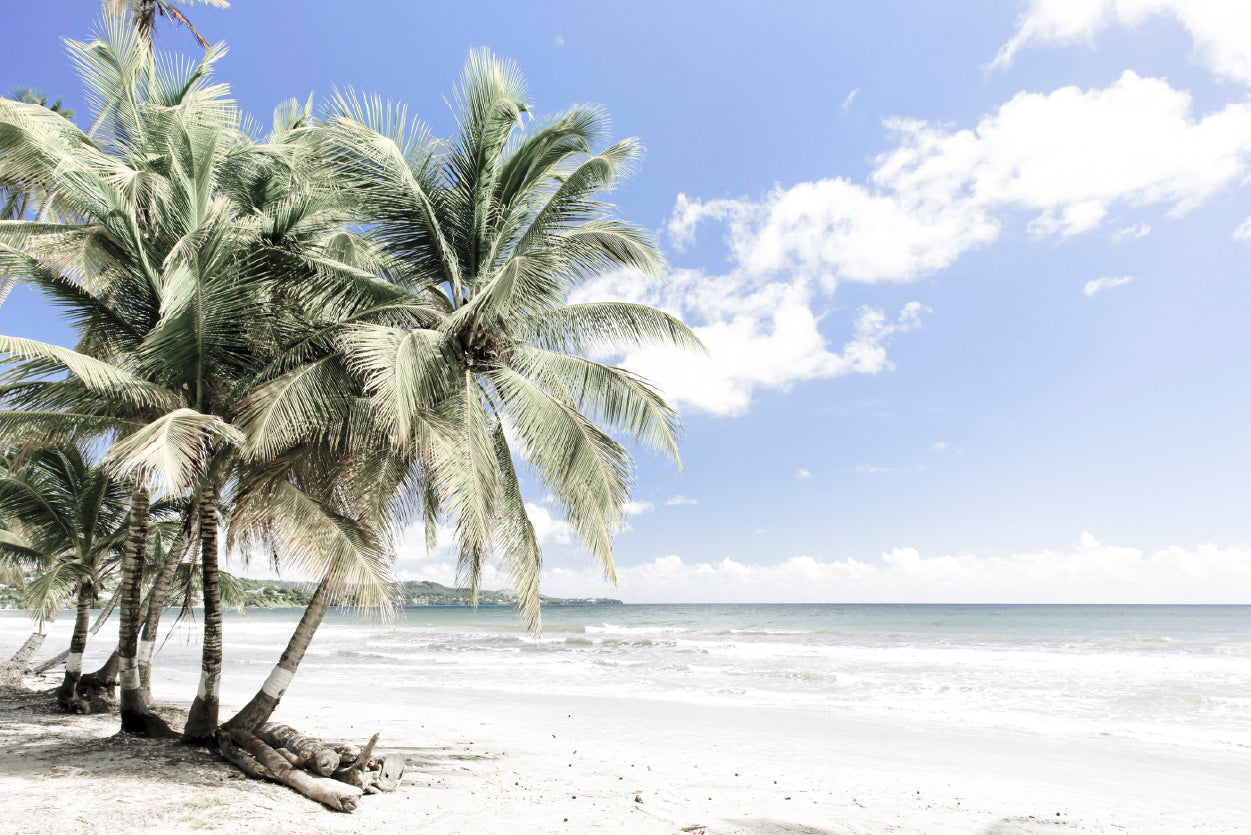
point(495, 229)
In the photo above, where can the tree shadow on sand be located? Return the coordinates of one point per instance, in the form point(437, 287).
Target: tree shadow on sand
point(42, 741)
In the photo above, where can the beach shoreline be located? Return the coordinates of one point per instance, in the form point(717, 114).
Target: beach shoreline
point(574, 764)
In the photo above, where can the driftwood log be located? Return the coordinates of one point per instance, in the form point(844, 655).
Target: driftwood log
point(372, 775)
point(262, 760)
point(310, 752)
point(281, 753)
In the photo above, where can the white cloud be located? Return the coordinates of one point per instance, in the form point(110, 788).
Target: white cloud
point(547, 527)
point(802, 473)
point(1069, 156)
point(1220, 29)
point(851, 97)
point(1243, 232)
point(680, 500)
point(939, 446)
point(761, 334)
point(1106, 283)
point(1067, 159)
point(1073, 154)
point(1131, 232)
point(871, 468)
point(833, 229)
point(1088, 572)
point(558, 41)
point(635, 508)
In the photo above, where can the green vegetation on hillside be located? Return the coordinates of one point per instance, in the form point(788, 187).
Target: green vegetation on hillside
point(270, 593)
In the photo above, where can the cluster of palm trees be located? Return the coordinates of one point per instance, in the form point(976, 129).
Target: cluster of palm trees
point(299, 343)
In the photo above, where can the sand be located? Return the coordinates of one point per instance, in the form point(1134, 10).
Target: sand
point(523, 763)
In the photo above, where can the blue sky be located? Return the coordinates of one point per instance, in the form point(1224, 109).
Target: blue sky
point(974, 275)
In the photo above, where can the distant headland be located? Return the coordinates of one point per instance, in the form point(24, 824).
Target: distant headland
point(276, 593)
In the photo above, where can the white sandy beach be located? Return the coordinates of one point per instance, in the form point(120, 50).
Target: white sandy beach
point(525, 763)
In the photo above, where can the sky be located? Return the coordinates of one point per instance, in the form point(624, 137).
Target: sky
point(973, 276)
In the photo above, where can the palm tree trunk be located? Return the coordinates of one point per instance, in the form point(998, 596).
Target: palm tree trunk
point(152, 619)
point(98, 687)
point(258, 711)
point(65, 695)
point(22, 657)
point(137, 716)
point(202, 719)
point(108, 610)
point(60, 657)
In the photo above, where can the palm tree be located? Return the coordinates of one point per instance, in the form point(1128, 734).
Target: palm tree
point(73, 519)
point(441, 378)
point(191, 275)
point(328, 510)
point(497, 227)
point(115, 271)
point(145, 12)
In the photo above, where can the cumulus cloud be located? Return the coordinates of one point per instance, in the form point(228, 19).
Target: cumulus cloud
point(939, 446)
point(680, 500)
point(761, 334)
point(1106, 283)
point(832, 229)
point(635, 508)
point(1065, 159)
point(1072, 154)
point(1221, 31)
point(1088, 572)
point(1067, 156)
point(802, 473)
point(547, 527)
point(871, 469)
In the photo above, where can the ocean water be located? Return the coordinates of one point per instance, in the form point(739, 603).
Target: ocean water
point(1172, 675)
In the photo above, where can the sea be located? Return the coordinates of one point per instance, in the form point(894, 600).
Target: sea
point(1171, 675)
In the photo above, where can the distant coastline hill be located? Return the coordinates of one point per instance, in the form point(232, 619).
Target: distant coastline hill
point(275, 593)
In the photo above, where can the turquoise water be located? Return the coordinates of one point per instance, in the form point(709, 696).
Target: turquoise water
point(1173, 675)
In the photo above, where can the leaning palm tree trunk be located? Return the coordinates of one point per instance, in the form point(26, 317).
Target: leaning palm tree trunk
point(152, 617)
point(263, 704)
point(98, 687)
point(66, 695)
point(60, 657)
point(202, 719)
point(107, 610)
point(28, 649)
